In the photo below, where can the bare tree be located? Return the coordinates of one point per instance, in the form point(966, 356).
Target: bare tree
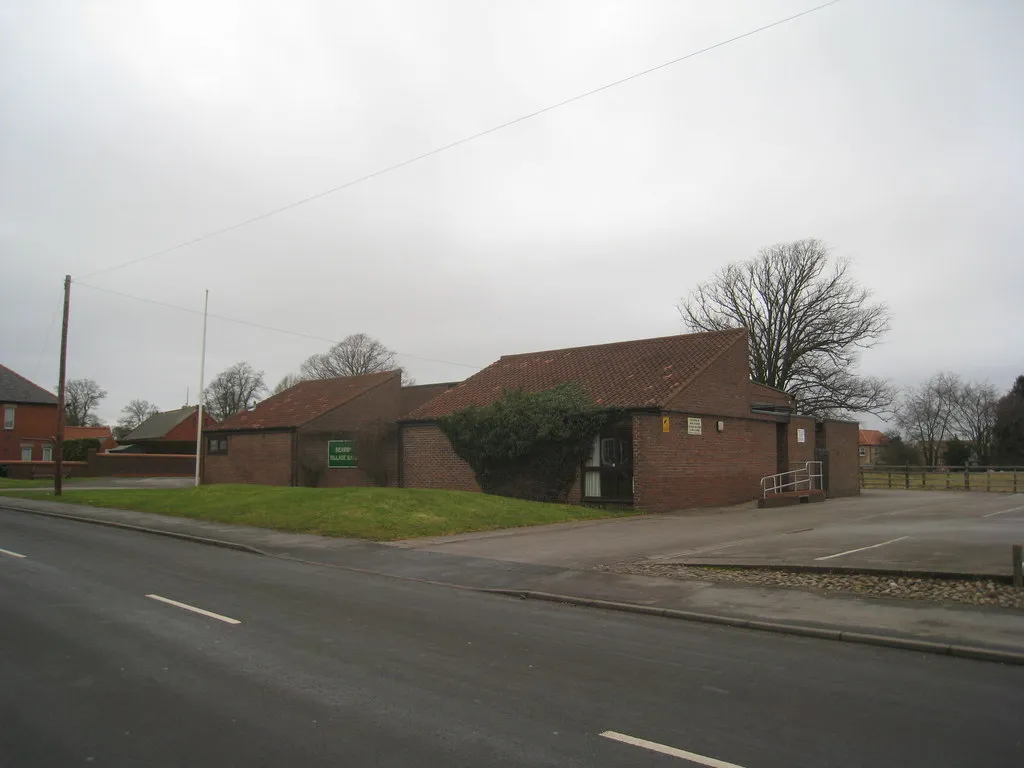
point(974, 415)
point(81, 396)
point(808, 319)
point(354, 355)
point(289, 381)
point(235, 389)
point(133, 414)
point(926, 414)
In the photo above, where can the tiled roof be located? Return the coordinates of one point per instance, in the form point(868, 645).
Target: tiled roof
point(159, 424)
point(15, 388)
point(872, 437)
point(304, 402)
point(626, 374)
point(84, 433)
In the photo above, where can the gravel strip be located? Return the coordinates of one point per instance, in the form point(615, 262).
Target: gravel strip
point(963, 591)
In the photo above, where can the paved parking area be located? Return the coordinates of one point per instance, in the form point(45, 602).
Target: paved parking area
point(900, 530)
point(930, 531)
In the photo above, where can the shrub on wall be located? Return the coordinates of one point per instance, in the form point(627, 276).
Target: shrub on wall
point(528, 445)
point(78, 450)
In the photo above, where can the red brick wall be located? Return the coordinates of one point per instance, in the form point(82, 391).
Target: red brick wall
point(140, 465)
point(801, 453)
point(840, 439)
point(675, 470)
point(28, 470)
point(724, 389)
point(185, 430)
point(261, 458)
point(35, 424)
point(369, 420)
point(428, 460)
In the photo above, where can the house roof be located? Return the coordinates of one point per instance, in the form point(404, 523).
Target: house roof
point(304, 402)
point(645, 373)
point(15, 388)
point(159, 424)
point(872, 437)
point(85, 433)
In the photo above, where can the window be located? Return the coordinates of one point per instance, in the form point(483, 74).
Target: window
point(8, 417)
point(862, 450)
point(611, 451)
point(47, 452)
point(217, 446)
point(26, 452)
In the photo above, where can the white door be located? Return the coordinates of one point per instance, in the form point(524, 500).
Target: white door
point(26, 453)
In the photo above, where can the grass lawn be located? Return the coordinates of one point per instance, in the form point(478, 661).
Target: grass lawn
point(377, 514)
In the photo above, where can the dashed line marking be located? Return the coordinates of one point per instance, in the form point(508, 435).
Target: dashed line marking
point(1003, 512)
point(187, 607)
point(654, 746)
point(861, 549)
point(10, 554)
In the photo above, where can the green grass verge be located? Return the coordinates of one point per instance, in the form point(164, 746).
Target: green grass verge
point(377, 514)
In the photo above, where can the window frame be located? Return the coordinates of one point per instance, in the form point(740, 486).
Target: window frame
point(12, 410)
point(47, 452)
point(30, 448)
point(220, 450)
point(862, 450)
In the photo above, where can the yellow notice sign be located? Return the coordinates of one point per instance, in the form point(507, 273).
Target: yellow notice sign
point(665, 425)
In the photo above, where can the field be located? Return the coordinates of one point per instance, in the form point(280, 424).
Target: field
point(931, 479)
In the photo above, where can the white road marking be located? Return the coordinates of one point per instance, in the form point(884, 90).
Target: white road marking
point(654, 746)
point(11, 554)
point(211, 614)
point(861, 549)
point(1003, 512)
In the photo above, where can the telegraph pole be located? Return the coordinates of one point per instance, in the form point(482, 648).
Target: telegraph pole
point(199, 412)
point(58, 479)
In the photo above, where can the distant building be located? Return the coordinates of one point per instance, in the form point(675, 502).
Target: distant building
point(870, 443)
point(166, 432)
point(29, 419)
point(103, 434)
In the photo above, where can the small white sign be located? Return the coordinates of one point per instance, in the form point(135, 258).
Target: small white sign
point(693, 425)
point(801, 435)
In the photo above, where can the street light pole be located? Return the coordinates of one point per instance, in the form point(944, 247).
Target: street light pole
point(199, 413)
point(61, 414)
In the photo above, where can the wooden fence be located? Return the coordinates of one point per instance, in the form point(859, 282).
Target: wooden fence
point(911, 478)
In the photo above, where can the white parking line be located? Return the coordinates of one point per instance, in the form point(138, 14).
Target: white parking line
point(654, 746)
point(861, 549)
point(11, 554)
point(211, 614)
point(1003, 512)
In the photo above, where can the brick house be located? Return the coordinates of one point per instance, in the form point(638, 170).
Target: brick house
point(30, 419)
point(322, 433)
point(870, 444)
point(167, 432)
point(698, 432)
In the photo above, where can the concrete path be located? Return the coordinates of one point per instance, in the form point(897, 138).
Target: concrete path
point(995, 628)
point(114, 484)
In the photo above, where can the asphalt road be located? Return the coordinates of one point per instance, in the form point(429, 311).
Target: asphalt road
point(328, 667)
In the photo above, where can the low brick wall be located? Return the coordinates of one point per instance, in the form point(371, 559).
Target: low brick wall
point(31, 470)
point(141, 465)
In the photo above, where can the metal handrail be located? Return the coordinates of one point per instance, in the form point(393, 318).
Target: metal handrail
point(774, 484)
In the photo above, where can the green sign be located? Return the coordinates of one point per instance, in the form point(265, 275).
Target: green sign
point(341, 453)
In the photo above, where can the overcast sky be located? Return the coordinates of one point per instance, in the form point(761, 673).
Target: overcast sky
point(891, 130)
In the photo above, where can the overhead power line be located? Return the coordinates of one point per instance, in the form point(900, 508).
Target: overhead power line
point(456, 143)
point(258, 325)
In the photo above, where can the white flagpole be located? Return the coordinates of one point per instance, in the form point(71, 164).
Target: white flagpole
point(202, 373)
